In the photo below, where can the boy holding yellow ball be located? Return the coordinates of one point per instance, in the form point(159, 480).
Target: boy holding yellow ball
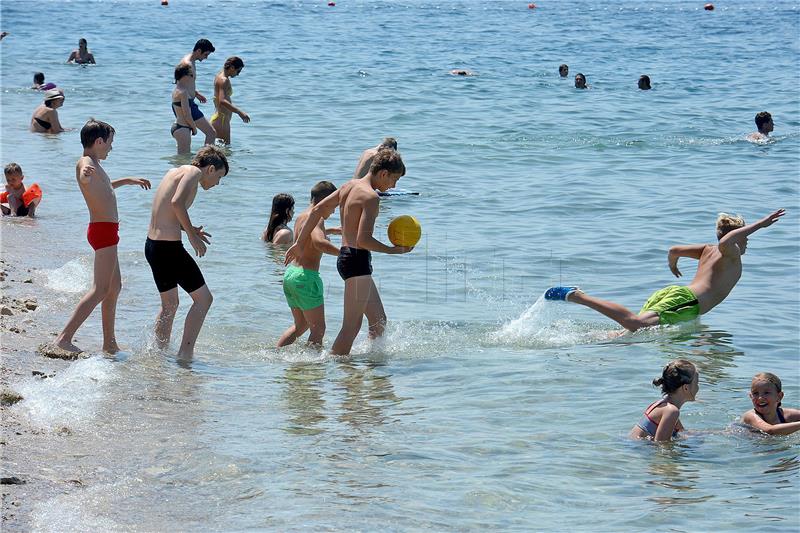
point(358, 208)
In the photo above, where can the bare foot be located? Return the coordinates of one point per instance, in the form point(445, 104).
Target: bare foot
point(66, 345)
point(111, 347)
point(570, 296)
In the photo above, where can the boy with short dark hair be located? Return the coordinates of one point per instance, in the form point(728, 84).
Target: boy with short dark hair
point(302, 284)
point(171, 264)
point(202, 49)
point(102, 234)
point(765, 126)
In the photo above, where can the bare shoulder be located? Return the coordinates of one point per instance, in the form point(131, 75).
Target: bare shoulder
point(747, 418)
point(791, 415)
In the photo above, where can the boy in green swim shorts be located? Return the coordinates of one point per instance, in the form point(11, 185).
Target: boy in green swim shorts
point(302, 283)
point(719, 269)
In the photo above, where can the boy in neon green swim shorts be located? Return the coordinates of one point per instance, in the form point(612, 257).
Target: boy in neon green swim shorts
point(718, 271)
point(302, 284)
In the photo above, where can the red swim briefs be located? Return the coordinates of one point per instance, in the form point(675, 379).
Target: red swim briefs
point(102, 234)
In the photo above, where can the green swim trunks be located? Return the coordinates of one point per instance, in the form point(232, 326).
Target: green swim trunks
point(302, 287)
point(673, 304)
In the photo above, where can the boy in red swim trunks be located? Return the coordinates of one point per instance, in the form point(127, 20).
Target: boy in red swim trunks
point(102, 234)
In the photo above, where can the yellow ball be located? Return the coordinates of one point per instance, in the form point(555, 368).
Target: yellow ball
point(405, 230)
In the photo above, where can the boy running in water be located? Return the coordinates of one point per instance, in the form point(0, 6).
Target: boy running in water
point(102, 234)
point(718, 272)
point(358, 207)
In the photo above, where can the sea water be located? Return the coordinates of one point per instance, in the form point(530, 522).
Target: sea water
point(484, 407)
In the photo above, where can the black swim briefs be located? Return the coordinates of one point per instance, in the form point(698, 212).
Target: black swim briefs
point(172, 266)
point(354, 262)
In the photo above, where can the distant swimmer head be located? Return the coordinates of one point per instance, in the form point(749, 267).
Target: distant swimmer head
point(233, 66)
point(281, 213)
point(183, 70)
point(319, 192)
point(386, 169)
point(38, 78)
point(678, 374)
point(563, 70)
point(82, 44)
point(709, 7)
point(460, 72)
point(644, 82)
point(580, 81)
point(388, 142)
point(764, 123)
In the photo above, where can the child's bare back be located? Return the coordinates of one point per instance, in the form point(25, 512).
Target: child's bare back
point(164, 223)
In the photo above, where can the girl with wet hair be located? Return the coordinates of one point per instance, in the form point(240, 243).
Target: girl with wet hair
point(767, 415)
point(679, 383)
point(277, 230)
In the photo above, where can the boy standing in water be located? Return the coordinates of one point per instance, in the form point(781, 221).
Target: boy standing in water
point(202, 49)
point(102, 234)
point(718, 272)
point(171, 264)
point(302, 283)
point(358, 207)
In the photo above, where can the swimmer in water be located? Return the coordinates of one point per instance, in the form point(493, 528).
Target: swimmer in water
point(718, 271)
point(81, 56)
point(563, 70)
point(184, 127)
point(644, 82)
point(679, 384)
point(767, 415)
point(765, 126)
point(461, 72)
point(278, 230)
point(202, 49)
point(580, 81)
point(45, 117)
point(221, 119)
point(362, 168)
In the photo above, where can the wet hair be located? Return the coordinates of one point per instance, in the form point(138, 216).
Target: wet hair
point(388, 142)
point(82, 41)
point(93, 130)
point(211, 155)
point(38, 77)
point(762, 118)
point(563, 70)
point(13, 168)
point(235, 62)
point(676, 374)
point(181, 70)
point(204, 45)
point(281, 205)
point(644, 82)
point(769, 378)
point(581, 76)
point(387, 160)
point(322, 190)
point(727, 223)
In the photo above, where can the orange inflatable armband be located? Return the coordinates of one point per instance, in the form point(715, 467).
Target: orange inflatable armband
point(33, 192)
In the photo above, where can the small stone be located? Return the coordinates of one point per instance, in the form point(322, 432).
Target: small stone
point(29, 280)
point(54, 352)
point(13, 329)
point(13, 480)
point(64, 431)
point(6, 311)
point(38, 373)
point(9, 398)
point(31, 305)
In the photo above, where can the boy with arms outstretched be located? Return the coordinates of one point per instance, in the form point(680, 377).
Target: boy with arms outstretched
point(718, 272)
point(358, 208)
point(171, 264)
point(102, 234)
point(302, 283)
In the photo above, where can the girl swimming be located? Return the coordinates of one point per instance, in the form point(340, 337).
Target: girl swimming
point(767, 415)
point(223, 90)
point(277, 231)
point(679, 384)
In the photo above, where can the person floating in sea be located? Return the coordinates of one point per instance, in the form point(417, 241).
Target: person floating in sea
point(102, 234)
point(278, 230)
point(81, 55)
point(719, 269)
point(362, 168)
point(302, 284)
point(679, 384)
point(461, 72)
point(223, 90)
point(202, 49)
point(45, 117)
point(563, 70)
point(644, 82)
point(767, 415)
point(184, 126)
point(765, 126)
point(580, 81)
point(39, 83)
point(171, 264)
point(358, 206)
point(21, 201)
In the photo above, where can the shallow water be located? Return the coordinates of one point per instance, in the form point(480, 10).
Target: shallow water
point(484, 407)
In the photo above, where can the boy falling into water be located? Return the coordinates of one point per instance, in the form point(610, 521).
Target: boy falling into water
point(102, 234)
point(358, 208)
point(171, 264)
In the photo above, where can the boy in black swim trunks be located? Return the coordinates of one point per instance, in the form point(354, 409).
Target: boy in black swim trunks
point(358, 207)
point(171, 264)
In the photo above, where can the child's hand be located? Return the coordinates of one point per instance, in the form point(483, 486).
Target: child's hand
point(197, 243)
point(333, 231)
point(401, 249)
point(87, 172)
point(202, 234)
point(771, 218)
point(245, 117)
point(141, 182)
point(673, 266)
point(194, 130)
point(200, 98)
point(294, 253)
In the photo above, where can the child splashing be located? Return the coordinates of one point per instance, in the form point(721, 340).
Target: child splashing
point(660, 421)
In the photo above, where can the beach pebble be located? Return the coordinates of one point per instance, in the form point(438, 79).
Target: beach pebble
point(31, 305)
point(9, 398)
point(6, 311)
point(54, 352)
point(29, 280)
point(13, 480)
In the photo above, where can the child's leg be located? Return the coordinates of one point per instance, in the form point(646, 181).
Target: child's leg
point(201, 302)
point(109, 311)
point(105, 260)
point(14, 203)
point(183, 136)
point(356, 295)
point(295, 330)
point(315, 318)
point(166, 315)
point(205, 126)
point(616, 312)
point(32, 207)
point(376, 316)
point(6, 211)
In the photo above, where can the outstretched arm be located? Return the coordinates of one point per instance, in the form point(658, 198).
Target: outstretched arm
point(693, 251)
point(786, 428)
point(727, 244)
point(295, 251)
point(141, 182)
